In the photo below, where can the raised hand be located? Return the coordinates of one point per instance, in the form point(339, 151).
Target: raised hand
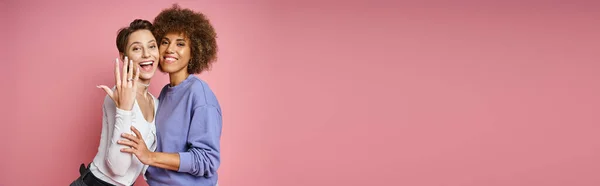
point(136, 146)
point(125, 90)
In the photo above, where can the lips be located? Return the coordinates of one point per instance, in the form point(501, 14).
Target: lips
point(170, 59)
point(146, 65)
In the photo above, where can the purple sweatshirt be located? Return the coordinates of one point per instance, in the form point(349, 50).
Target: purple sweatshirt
point(188, 122)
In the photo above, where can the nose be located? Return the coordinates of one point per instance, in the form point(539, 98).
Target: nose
point(170, 48)
point(146, 53)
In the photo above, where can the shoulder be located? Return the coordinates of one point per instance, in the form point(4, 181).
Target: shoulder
point(162, 91)
point(198, 85)
point(201, 93)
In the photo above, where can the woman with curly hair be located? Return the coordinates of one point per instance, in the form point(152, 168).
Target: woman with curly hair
point(188, 120)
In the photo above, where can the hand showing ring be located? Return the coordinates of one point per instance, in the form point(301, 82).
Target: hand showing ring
point(125, 90)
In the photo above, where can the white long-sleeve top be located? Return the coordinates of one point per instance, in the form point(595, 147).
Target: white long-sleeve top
point(110, 164)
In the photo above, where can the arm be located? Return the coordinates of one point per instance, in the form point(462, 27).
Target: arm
point(202, 157)
point(204, 138)
point(118, 162)
point(165, 160)
point(122, 98)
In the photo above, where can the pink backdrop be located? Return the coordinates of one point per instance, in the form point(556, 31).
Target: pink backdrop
point(469, 93)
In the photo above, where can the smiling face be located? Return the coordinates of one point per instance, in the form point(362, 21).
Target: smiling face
point(175, 53)
point(142, 49)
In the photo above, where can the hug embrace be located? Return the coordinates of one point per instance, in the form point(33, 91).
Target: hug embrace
point(172, 139)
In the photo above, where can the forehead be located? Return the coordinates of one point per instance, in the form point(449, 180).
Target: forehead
point(143, 36)
point(175, 36)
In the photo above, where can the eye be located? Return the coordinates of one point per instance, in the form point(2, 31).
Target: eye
point(164, 43)
point(153, 46)
point(136, 48)
point(180, 44)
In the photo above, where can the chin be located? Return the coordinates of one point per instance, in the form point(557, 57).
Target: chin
point(169, 70)
point(146, 76)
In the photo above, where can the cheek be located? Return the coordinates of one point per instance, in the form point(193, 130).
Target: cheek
point(185, 53)
point(161, 49)
point(155, 53)
point(135, 57)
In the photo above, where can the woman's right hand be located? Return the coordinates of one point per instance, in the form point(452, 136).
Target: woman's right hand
point(126, 89)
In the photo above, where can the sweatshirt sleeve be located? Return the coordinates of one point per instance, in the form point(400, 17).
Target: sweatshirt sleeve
point(203, 156)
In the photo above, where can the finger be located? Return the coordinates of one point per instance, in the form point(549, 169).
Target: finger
point(137, 133)
point(137, 77)
point(125, 63)
point(130, 137)
point(108, 91)
point(117, 74)
point(127, 142)
point(128, 150)
point(130, 72)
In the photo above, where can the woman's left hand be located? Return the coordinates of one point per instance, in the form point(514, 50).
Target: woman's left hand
point(138, 146)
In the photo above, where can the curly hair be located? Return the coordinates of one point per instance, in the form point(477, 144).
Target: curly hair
point(125, 32)
point(196, 27)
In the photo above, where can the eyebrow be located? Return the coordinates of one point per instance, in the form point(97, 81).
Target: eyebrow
point(137, 42)
point(178, 39)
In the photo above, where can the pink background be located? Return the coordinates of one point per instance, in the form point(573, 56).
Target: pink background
point(433, 93)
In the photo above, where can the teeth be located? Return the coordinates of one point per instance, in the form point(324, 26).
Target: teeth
point(146, 63)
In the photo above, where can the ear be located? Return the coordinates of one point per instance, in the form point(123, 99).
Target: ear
point(122, 56)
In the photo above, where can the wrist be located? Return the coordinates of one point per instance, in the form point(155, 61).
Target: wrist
point(125, 108)
point(152, 158)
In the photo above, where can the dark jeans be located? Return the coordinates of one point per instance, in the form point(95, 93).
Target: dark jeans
point(86, 178)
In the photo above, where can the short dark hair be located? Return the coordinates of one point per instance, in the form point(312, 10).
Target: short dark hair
point(196, 27)
point(125, 32)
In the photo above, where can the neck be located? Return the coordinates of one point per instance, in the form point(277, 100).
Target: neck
point(177, 77)
point(142, 86)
